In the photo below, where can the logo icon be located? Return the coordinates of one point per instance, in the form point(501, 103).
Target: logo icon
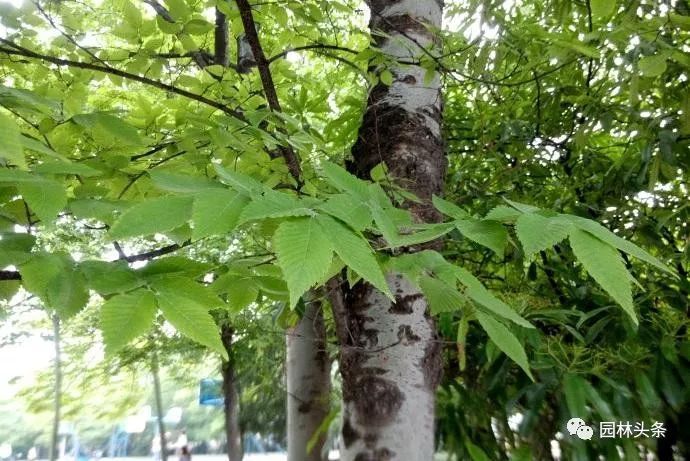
point(577, 426)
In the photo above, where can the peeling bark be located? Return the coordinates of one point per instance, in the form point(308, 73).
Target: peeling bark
point(308, 384)
point(390, 356)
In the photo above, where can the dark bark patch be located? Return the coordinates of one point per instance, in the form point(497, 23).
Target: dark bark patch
point(378, 400)
point(403, 304)
point(431, 361)
point(409, 79)
point(380, 454)
point(304, 407)
point(350, 435)
point(406, 335)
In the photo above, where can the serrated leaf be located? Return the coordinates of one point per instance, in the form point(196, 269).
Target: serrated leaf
point(66, 168)
point(304, 254)
point(108, 278)
point(125, 317)
point(273, 204)
point(216, 212)
point(477, 292)
point(605, 265)
point(441, 296)
point(182, 183)
point(174, 265)
point(612, 239)
point(348, 209)
point(449, 208)
point(45, 198)
point(240, 291)
point(152, 216)
point(490, 234)
point(355, 251)
point(66, 293)
point(189, 317)
point(11, 148)
point(522, 207)
point(240, 182)
point(339, 178)
point(538, 233)
point(505, 340)
point(502, 213)
point(430, 233)
point(186, 291)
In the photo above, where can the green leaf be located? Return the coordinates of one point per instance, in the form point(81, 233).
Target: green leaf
point(240, 182)
point(216, 212)
point(344, 181)
point(429, 233)
point(355, 251)
point(304, 254)
point(186, 291)
point(476, 453)
point(348, 209)
point(449, 208)
point(182, 183)
point(605, 265)
point(188, 316)
point(108, 278)
point(441, 296)
point(240, 290)
point(652, 66)
point(11, 148)
point(475, 290)
point(491, 234)
point(505, 340)
point(174, 265)
point(152, 216)
point(45, 198)
point(273, 204)
point(126, 317)
point(602, 8)
point(538, 233)
point(67, 293)
point(502, 213)
point(575, 395)
point(66, 168)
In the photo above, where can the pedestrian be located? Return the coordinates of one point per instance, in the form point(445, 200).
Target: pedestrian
point(185, 454)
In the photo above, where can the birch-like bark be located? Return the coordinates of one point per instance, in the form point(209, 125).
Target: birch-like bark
point(390, 359)
point(308, 384)
point(155, 371)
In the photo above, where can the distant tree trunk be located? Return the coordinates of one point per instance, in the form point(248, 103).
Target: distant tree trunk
point(308, 384)
point(155, 371)
point(53, 455)
point(231, 405)
point(390, 359)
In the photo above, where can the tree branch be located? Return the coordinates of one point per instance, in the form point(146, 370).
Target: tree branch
point(262, 65)
point(21, 51)
point(316, 47)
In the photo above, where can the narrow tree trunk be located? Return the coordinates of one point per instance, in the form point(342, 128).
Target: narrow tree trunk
point(53, 455)
point(308, 384)
point(231, 404)
point(155, 370)
point(390, 359)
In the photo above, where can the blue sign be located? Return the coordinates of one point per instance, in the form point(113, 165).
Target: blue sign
point(211, 392)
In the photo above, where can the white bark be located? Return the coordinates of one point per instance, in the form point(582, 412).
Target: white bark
point(390, 379)
point(308, 384)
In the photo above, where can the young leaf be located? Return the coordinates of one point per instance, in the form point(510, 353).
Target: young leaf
point(537, 233)
point(505, 340)
point(216, 212)
point(605, 265)
point(355, 251)
point(304, 254)
point(125, 317)
point(154, 215)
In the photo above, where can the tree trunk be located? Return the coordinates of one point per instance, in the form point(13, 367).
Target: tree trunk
point(308, 384)
point(390, 359)
point(53, 455)
point(155, 371)
point(231, 404)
